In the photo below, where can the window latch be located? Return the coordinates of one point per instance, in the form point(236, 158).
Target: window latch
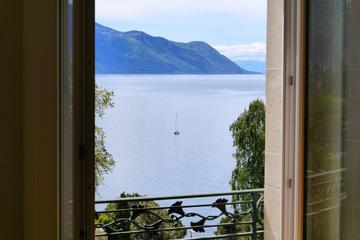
point(291, 80)
point(289, 183)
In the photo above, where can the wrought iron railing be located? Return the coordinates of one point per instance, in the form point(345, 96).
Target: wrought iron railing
point(230, 215)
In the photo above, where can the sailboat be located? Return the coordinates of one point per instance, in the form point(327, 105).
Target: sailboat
point(176, 132)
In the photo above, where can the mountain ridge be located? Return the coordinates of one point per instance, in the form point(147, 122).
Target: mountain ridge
point(136, 52)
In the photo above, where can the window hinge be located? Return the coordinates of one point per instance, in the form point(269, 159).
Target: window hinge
point(82, 151)
point(291, 80)
point(289, 183)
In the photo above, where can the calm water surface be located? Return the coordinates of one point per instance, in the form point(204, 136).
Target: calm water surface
point(150, 159)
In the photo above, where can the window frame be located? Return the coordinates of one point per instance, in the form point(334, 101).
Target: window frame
point(84, 118)
point(294, 120)
point(77, 67)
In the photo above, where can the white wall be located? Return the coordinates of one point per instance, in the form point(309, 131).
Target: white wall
point(274, 120)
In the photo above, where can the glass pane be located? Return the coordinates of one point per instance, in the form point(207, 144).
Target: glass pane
point(67, 102)
point(333, 134)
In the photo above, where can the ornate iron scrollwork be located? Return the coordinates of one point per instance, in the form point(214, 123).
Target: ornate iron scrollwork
point(176, 208)
point(175, 213)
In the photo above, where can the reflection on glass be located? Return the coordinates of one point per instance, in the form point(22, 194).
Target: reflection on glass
point(332, 204)
point(67, 174)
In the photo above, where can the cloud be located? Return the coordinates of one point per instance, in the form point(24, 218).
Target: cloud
point(253, 51)
point(123, 10)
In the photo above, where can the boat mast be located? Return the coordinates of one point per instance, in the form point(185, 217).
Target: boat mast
point(176, 131)
point(176, 118)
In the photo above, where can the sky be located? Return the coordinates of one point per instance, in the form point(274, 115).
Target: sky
point(236, 28)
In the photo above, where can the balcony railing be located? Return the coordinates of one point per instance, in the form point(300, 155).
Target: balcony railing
point(230, 215)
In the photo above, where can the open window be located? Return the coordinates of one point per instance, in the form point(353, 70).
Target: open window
point(154, 133)
point(180, 113)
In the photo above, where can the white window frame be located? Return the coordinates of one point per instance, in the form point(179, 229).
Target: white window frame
point(294, 107)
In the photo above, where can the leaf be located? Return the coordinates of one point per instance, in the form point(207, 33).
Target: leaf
point(177, 208)
point(221, 205)
point(198, 226)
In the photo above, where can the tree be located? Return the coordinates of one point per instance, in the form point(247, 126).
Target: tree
point(104, 162)
point(248, 132)
point(142, 219)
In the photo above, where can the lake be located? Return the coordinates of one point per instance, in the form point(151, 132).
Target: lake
point(150, 159)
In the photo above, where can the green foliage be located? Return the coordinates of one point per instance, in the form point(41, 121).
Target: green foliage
point(104, 161)
point(143, 219)
point(248, 133)
point(240, 228)
point(103, 100)
point(228, 229)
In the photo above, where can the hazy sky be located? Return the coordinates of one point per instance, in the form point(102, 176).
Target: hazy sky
point(237, 28)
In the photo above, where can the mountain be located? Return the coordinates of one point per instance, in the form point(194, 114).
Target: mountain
point(252, 65)
point(136, 52)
